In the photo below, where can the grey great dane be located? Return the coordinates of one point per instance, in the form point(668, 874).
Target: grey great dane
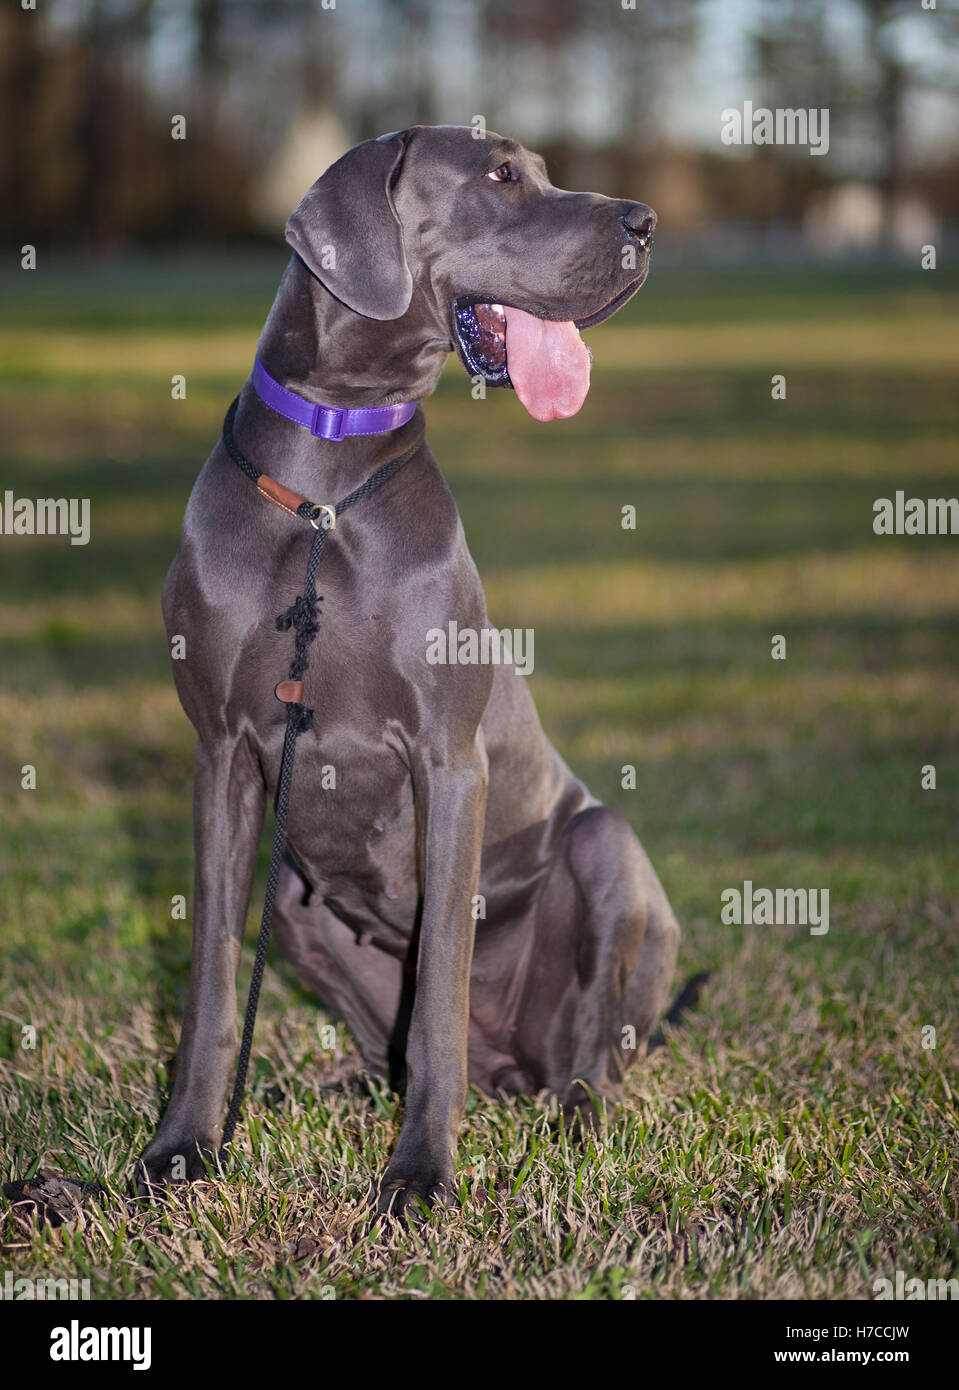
point(421, 243)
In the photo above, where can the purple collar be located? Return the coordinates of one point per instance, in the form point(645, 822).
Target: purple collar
point(328, 421)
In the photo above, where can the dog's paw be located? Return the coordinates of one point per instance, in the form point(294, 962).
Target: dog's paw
point(163, 1163)
point(410, 1196)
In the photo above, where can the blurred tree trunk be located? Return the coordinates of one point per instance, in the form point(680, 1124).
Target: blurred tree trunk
point(21, 68)
point(888, 106)
point(95, 119)
point(200, 167)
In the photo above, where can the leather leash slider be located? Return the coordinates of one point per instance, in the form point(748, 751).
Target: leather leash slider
point(289, 501)
point(290, 692)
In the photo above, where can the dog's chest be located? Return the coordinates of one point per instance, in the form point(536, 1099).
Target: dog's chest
point(351, 805)
point(352, 825)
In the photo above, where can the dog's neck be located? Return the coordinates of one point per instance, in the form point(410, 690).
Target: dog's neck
point(317, 347)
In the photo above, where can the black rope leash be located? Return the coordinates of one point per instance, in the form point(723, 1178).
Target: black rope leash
point(302, 616)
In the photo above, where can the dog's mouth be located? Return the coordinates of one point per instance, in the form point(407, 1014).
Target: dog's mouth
point(544, 360)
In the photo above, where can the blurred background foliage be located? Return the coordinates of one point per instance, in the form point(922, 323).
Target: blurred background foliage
point(626, 100)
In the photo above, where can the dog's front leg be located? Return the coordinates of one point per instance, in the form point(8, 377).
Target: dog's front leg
point(229, 803)
point(450, 799)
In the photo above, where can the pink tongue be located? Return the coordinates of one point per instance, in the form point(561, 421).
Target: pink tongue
point(548, 365)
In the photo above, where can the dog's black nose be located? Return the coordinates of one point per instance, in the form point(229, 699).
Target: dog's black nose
point(640, 223)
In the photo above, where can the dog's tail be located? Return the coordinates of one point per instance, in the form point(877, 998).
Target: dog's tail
point(686, 999)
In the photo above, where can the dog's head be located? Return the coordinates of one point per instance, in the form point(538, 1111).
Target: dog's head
point(471, 233)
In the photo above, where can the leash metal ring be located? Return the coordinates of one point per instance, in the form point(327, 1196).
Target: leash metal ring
point(322, 507)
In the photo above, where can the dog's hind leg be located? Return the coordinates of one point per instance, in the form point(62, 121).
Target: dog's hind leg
point(600, 972)
point(360, 984)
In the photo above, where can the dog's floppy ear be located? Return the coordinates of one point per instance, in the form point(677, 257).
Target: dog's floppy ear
point(347, 231)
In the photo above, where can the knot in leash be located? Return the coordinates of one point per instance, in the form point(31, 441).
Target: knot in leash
point(303, 616)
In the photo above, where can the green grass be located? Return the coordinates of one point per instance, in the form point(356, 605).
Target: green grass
point(794, 1138)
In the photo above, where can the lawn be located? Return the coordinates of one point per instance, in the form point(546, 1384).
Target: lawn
point(796, 1135)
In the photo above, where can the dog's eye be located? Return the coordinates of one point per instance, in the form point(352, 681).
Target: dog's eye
point(503, 174)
